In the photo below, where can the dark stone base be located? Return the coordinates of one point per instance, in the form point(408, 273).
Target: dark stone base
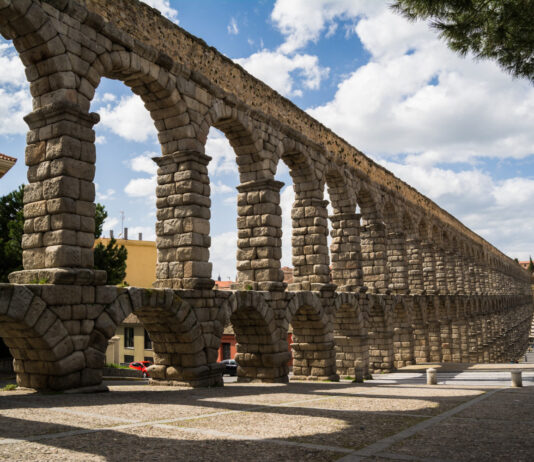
point(71, 276)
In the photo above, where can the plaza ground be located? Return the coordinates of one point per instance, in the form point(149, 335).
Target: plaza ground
point(469, 415)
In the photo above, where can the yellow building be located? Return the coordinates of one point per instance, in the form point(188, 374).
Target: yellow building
point(131, 343)
point(141, 261)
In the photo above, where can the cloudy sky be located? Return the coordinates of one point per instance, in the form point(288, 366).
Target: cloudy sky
point(460, 131)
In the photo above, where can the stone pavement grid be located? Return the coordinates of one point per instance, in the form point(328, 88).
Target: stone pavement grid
point(393, 417)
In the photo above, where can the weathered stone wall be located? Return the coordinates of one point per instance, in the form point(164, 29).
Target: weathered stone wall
point(148, 26)
point(58, 334)
point(408, 282)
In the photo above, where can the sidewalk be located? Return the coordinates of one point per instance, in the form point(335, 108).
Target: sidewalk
point(469, 415)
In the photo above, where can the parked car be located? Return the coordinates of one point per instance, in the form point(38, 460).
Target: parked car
point(141, 366)
point(230, 367)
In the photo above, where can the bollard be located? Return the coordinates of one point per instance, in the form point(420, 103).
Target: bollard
point(431, 377)
point(358, 375)
point(517, 381)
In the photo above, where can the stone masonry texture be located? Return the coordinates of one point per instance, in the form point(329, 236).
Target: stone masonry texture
point(403, 282)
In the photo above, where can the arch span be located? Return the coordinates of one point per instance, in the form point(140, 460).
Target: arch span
point(313, 342)
point(182, 353)
point(262, 353)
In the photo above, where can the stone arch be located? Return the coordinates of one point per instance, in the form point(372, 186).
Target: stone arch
point(420, 330)
point(423, 230)
point(345, 248)
point(342, 196)
point(397, 261)
point(181, 354)
point(306, 181)
point(434, 329)
point(43, 352)
point(262, 354)
point(414, 252)
point(311, 262)
point(350, 337)
point(368, 202)
point(34, 37)
point(439, 257)
point(245, 139)
point(460, 328)
point(159, 90)
point(445, 310)
point(373, 242)
point(449, 262)
point(313, 342)
point(408, 221)
point(403, 340)
point(380, 334)
point(391, 215)
point(258, 204)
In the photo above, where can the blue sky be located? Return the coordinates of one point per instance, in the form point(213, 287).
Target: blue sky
point(458, 130)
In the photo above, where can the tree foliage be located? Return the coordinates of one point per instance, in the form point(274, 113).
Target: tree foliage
point(100, 216)
point(11, 230)
point(530, 265)
point(500, 30)
point(110, 257)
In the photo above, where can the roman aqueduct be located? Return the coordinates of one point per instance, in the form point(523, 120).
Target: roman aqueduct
point(403, 281)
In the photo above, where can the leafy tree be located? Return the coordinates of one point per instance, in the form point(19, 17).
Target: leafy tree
point(100, 217)
point(11, 230)
point(501, 30)
point(530, 265)
point(111, 257)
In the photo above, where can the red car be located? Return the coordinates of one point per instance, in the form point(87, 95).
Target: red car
point(141, 366)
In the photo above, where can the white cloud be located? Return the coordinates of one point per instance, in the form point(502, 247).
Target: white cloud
point(104, 196)
point(12, 67)
point(303, 21)
point(218, 187)
point(495, 209)
point(417, 101)
point(143, 187)
point(100, 139)
point(144, 163)
point(103, 98)
point(232, 27)
point(165, 8)
point(15, 105)
point(415, 96)
point(222, 154)
point(288, 75)
point(223, 255)
point(109, 225)
point(230, 201)
point(129, 119)
point(107, 97)
point(15, 98)
point(149, 232)
point(287, 197)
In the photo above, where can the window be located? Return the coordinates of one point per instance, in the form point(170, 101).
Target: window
point(148, 342)
point(226, 351)
point(128, 358)
point(128, 337)
point(149, 358)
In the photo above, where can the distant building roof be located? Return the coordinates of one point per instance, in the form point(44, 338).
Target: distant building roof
point(6, 162)
point(223, 285)
point(288, 274)
point(131, 319)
